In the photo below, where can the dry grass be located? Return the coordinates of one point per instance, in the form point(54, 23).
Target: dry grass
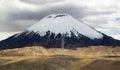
point(39, 58)
point(85, 51)
point(96, 51)
point(58, 62)
point(34, 50)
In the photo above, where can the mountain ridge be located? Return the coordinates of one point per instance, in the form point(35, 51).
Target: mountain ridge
point(64, 23)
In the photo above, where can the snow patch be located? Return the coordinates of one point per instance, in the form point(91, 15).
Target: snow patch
point(62, 23)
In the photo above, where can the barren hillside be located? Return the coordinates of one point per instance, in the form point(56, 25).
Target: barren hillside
point(58, 63)
point(86, 51)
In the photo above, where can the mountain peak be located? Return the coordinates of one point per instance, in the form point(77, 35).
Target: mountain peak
point(64, 23)
point(57, 15)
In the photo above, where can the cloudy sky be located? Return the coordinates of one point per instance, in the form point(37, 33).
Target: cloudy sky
point(17, 15)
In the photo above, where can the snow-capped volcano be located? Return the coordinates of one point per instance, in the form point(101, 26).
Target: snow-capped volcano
point(58, 30)
point(64, 23)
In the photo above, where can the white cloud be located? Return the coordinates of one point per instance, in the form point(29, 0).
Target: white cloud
point(105, 23)
point(97, 3)
point(4, 35)
point(116, 36)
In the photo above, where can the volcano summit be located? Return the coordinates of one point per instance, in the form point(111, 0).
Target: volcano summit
point(56, 30)
point(64, 24)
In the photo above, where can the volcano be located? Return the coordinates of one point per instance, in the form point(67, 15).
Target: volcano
point(59, 30)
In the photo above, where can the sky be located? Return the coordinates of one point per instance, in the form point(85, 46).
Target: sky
point(17, 15)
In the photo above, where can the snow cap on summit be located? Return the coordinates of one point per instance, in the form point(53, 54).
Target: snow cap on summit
point(64, 23)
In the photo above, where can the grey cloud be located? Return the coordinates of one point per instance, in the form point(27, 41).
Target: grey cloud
point(41, 1)
point(78, 12)
point(8, 27)
point(25, 15)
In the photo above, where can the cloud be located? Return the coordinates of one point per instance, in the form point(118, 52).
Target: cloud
point(76, 11)
point(37, 15)
point(4, 35)
point(42, 1)
point(117, 19)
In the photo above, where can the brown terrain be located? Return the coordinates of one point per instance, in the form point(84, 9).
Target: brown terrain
point(39, 58)
point(85, 51)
